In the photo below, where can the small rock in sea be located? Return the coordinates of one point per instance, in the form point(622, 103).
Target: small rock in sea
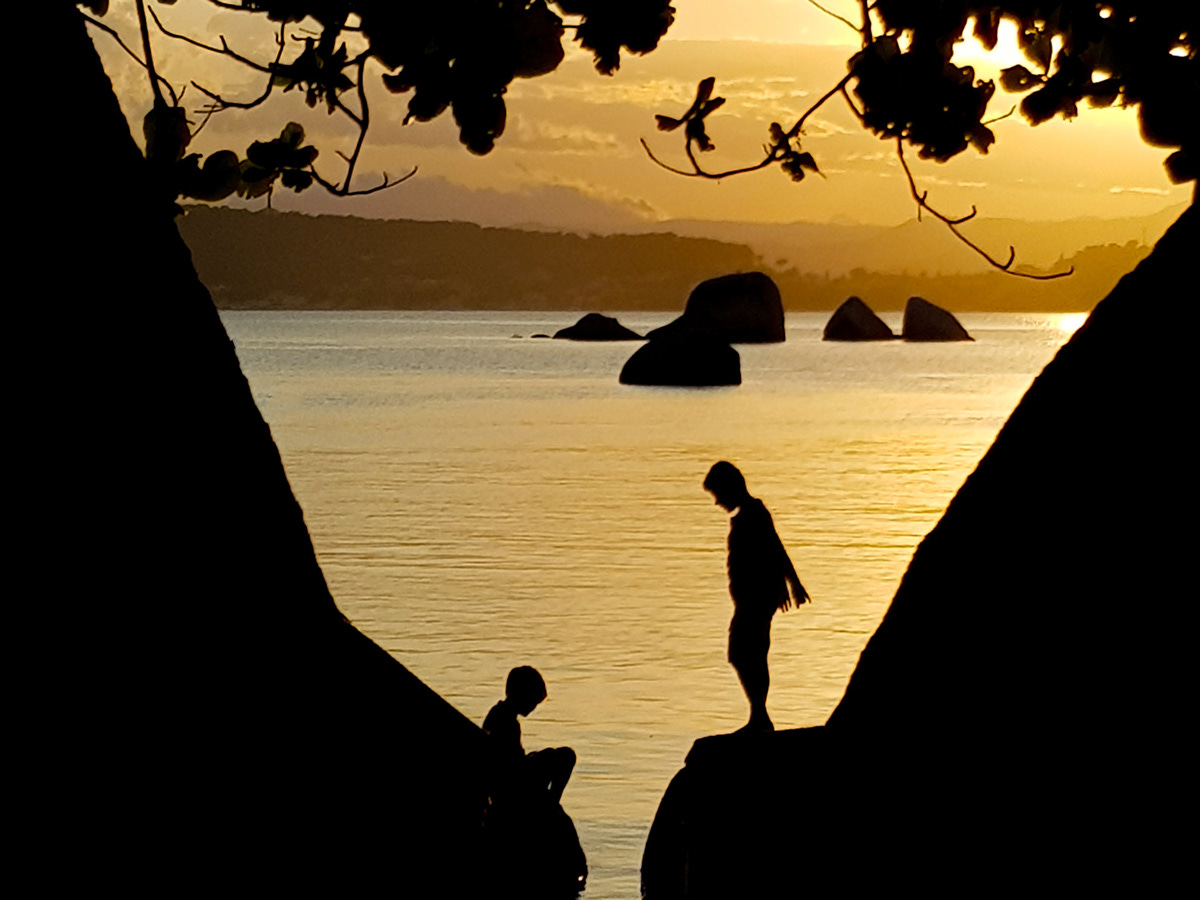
point(595, 327)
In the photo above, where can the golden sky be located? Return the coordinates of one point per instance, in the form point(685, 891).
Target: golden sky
point(570, 156)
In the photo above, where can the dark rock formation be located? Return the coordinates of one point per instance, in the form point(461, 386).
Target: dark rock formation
point(739, 309)
point(202, 706)
point(595, 327)
point(1029, 693)
point(684, 360)
point(532, 852)
point(703, 843)
point(855, 321)
point(925, 321)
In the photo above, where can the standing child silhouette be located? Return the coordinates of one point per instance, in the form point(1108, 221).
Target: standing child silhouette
point(761, 580)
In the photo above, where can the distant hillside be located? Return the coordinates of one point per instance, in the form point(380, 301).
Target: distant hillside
point(274, 260)
point(1097, 270)
point(925, 247)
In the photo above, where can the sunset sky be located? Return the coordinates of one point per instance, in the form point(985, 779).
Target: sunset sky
point(570, 156)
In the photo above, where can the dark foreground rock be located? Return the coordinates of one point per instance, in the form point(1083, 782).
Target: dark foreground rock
point(533, 853)
point(1029, 694)
point(925, 321)
point(729, 819)
point(684, 360)
point(595, 327)
point(744, 308)
point(855, 321)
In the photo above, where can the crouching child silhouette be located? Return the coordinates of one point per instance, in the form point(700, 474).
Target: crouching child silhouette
point(534, 842)
point(762, 580)
point(541, 775)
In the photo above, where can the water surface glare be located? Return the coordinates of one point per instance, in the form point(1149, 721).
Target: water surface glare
point(480, 500)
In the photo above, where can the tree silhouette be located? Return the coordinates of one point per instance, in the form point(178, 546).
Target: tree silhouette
point(202, 709)
point(458, 57)
point(904, 86)
point(199, 708)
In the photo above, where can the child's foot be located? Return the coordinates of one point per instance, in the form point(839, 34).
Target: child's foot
point(757, 725)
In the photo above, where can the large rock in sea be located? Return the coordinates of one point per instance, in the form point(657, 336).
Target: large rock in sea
point(855, 321)
point(739, 309)
point(595, 327)
point(687, 359)
point(925, 321)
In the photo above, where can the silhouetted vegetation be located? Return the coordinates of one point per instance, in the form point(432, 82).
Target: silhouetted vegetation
point(229, 710)
point(444, 57)
point(904, 86)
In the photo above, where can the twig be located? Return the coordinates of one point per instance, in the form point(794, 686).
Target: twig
point(921, 198)
point(340, 192)
point(364, 122)
point(115, 35)
point(837, 88)
point(773, 155)
point(220, 102)
point(697, 171)
point(1002, 117)
point(830, 12)
point(222, 50)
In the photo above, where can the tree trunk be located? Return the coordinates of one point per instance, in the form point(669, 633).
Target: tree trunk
point(206, 695)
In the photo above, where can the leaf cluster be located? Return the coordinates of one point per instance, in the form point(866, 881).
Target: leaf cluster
point(318, 70)
point(919, 95)
point(1112, 51)
point(462, 56)
point(693, 120)
point(285, 160)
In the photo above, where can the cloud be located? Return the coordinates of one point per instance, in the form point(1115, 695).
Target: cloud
point(546, 200)
point(549, 137)
point(1156, 192)
point(650, 94)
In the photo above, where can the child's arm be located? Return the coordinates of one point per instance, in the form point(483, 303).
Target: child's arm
point(798, 594)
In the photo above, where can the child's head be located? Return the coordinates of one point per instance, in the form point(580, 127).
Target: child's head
point(525, 689)
point(726, 484)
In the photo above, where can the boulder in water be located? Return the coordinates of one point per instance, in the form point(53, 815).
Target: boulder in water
point(686, 359)
point(743, 308)
point(925, 321)
point(855, 321)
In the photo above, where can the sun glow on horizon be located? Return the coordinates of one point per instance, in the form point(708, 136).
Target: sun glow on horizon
point(1069, 323)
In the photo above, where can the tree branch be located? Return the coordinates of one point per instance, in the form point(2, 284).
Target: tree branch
point(364, 122)
point(115, 35)
point(921, 198)
point(223, 50)
point(342, 192)
point(830, 12)
point(221, 103)
point(149, 54)
point(773, 153)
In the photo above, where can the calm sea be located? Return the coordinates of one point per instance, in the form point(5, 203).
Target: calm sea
point(480, 499)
